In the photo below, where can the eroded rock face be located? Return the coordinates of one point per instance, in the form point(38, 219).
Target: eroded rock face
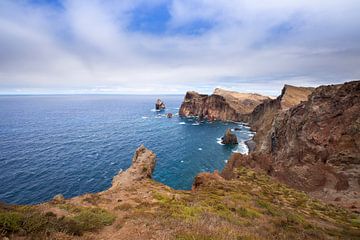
point(229, 138)
point(143, 164)
point(262, 118)
point(221, 105)
point(315, 146)
point(159, 105)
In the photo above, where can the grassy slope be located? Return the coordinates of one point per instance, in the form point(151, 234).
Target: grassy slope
point(252, 206)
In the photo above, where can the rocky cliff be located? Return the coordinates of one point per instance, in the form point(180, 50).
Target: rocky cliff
point(313, 146)
point(261, 119)
point(250, 206)
point(221, 105)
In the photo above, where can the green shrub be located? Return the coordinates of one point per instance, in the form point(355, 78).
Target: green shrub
point(90, 219)
point(10, 221)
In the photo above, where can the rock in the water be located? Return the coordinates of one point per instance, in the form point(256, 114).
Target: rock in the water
point(159, 105)
point(229, 138)
point(169, 115)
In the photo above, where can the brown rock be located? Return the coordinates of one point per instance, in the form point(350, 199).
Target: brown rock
point(261, 119)
point(205, 178)
point(59, 198)
point(159, 105)
point(221, 105)
point(143, 164)
point(229, 138)
point(313, 146)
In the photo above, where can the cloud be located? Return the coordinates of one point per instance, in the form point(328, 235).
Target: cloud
point(163, 46)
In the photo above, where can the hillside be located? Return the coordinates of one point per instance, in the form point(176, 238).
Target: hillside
point(314, 146)
point(249, 206)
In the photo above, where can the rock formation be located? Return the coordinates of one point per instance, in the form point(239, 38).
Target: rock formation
point(261, 119)
point(159, 105)
point(313, 146)
point(142, 167)
point(229, 138)
point(221, 105)
point(169, 115)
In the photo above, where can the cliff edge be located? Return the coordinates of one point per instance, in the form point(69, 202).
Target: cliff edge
point(313, 146)
point(262, 117)
point(222, 105)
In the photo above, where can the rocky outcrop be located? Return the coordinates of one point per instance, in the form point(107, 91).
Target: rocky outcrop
point(221, 105)
point(229, 138)
point(159, 105)
point(261, 119)
point(204, 178)
point(314, 146)
point(142, 167)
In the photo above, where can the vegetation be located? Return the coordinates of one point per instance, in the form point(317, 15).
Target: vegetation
point(28, 220)
point(252, 206)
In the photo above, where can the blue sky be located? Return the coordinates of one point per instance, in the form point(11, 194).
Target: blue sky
point(171, 46)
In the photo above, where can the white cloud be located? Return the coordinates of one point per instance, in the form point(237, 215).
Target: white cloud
point(250, 46)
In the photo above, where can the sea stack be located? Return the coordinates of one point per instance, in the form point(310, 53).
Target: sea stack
point(229, 138)
point(159, 105)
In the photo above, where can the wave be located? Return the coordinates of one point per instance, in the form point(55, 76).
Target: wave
point(196, 124)
point(241, 148)
point(144, 117)
point(182, 123)
point(200, 149)
point(219, 141)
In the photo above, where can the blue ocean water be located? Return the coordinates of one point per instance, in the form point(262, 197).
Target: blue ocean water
point(75, 144)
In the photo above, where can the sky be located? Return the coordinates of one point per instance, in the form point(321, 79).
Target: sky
point(171, 46)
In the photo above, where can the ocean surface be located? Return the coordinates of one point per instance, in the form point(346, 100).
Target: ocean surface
point(75, 144)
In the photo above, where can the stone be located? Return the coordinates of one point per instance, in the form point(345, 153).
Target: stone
point(59, 198)
point(142, 167)
point(229, 138)
point(159, 105)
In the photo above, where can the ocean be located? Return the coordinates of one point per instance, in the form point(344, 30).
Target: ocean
point(76, 144)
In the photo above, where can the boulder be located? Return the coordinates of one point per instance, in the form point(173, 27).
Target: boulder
point(229, 138)
point(159, 105)
point(59, 198)
point(169, 115)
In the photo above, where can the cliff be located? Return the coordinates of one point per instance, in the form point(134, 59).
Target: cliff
point(261, 119)
point(221, 105)
point(313, 146)
point(250, 206)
